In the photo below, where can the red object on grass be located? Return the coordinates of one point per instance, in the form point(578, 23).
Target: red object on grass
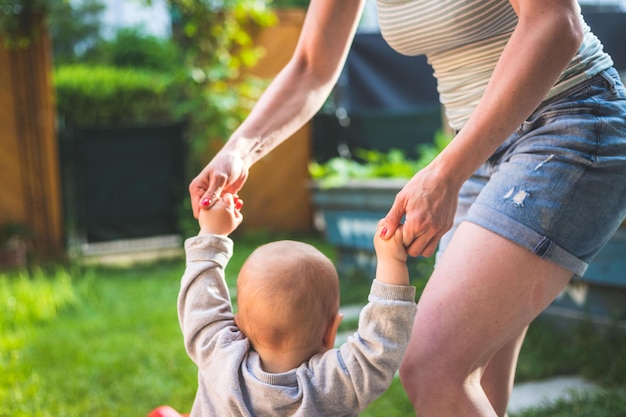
point(165, 411)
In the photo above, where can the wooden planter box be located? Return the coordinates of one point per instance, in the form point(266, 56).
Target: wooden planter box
point(348, 216)
point(600, 294)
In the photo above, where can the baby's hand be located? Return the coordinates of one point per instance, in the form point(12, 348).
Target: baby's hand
point(391, 267)
point(223, 217)
point(389, 249)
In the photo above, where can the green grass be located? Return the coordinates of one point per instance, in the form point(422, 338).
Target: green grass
point(99, 342)
point(117, 348)
point(607, 403)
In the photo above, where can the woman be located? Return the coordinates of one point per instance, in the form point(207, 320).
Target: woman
point(529, 190)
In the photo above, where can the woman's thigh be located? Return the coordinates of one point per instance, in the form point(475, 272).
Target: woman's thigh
point(483, 292)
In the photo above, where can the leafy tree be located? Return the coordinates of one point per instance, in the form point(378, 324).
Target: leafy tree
point(75, 28)
point(215, 47)
point(132, 48)
point(20, 21)
point(217, 42)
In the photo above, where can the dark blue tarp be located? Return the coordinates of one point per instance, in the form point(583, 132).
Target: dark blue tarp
point(390, 100)
point(610, 28)
point(380, 78)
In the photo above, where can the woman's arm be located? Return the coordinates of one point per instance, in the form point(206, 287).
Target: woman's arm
point(292, 98)
point(547, 36)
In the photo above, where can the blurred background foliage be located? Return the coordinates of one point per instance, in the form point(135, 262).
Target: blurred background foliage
point(198, 74)
point(18, 20)
point(94, 94)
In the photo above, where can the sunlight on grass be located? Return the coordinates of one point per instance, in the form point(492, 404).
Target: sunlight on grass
point(393, 403)
point(117, 346)
point(104, 341)
point(34, 296)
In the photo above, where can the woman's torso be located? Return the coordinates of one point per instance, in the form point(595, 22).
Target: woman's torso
point(463, 40)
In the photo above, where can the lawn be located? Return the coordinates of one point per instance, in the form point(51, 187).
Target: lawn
point(86, 341)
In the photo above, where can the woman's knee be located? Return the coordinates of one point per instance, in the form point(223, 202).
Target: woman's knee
point(429, 367)
point(432, 383)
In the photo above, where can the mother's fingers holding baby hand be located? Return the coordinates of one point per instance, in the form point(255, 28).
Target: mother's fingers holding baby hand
point(421, 241)
point(229, 200)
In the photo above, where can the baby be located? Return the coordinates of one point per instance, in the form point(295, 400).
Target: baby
point(276, 356)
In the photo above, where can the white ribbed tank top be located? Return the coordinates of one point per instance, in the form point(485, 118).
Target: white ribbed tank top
point(463, 40)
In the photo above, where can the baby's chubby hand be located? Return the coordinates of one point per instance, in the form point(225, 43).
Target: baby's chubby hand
point(223, 217)
point(392, 248)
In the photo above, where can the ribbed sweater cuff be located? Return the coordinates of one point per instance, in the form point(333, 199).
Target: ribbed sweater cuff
point(392, 292)
point(209, 248)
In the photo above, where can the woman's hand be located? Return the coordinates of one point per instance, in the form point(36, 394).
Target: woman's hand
point(226, 173)
point(428, 203)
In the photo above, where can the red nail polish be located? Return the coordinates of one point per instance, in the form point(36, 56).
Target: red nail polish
point(383, 232)
point(205, 202)
point(238, 204)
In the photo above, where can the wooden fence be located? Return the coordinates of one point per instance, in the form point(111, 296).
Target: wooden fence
point(277, 195)
point(29, 169)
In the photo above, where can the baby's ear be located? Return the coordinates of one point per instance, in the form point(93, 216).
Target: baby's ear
point(331, 331)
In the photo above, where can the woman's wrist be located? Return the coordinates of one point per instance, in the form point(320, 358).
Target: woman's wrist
point(447, 168)
point(245, 149)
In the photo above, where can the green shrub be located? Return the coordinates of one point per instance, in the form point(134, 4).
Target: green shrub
point(88, 95)
point(374, 164)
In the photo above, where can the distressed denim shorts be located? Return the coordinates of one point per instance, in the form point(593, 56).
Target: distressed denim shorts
point(557, 186)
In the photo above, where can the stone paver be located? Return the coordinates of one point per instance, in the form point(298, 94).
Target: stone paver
point(534, 394)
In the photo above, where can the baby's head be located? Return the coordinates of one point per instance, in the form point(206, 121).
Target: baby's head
point(287, 297)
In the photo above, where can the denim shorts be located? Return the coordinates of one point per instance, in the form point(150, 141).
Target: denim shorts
point(557, 186)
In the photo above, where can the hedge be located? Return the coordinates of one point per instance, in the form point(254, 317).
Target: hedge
point(98, 95)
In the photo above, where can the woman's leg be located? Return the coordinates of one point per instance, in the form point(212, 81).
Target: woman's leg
point(499, 375)
point(483, 293)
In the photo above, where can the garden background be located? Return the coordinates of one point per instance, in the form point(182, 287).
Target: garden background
point(78, 339)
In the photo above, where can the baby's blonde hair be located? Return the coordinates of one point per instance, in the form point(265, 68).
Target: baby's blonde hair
point(287, 293)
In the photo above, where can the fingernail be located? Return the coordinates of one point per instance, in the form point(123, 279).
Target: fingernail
point(238, 204)
point(205, 202)
point(383, 232)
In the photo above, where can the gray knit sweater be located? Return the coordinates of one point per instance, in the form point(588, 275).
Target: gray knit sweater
point(231, 382)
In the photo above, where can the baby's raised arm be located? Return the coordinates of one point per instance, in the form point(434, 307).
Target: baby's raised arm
point(392, 256)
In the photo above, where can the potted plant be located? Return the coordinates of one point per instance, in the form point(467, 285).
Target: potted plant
point(351, 195)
